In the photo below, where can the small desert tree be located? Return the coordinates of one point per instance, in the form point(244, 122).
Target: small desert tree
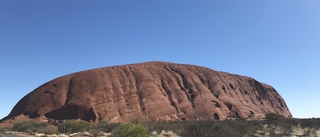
point(24, 126)
point(273, 116)
point(77, 126)
point(130, 130)
point(49, 130)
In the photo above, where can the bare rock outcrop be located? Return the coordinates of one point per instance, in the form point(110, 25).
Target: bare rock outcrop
point(151, 91)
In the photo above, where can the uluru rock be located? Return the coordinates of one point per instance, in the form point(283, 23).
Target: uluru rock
point(152, 91)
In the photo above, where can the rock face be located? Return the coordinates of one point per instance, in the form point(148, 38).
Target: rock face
point(152, 91)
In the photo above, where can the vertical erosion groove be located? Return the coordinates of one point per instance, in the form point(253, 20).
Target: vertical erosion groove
point(136, 74)
point(184, 86)
point(69, 89)
point(169, 96)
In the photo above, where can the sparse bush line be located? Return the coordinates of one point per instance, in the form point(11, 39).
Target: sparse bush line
point(272, 126)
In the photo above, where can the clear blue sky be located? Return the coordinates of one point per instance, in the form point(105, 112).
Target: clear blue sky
point(274, 41)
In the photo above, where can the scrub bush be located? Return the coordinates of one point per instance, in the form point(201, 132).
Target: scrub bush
point(130, 130)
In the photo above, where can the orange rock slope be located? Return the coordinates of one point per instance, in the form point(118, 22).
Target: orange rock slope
point(152, 91)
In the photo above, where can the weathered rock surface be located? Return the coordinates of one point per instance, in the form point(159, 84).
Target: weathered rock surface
point(152, 91)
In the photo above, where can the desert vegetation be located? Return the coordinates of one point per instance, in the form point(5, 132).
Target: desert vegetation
point(130, 130)
point(32, 126)
point(274, 125)
point(73, 126)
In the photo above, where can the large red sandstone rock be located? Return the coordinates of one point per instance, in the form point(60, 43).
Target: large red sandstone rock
point(152, 91)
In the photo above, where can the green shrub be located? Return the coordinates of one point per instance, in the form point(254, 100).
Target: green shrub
point(49, 130)
point(30, 126)
point(104, 126)
point(22, 126)
point(130, 130)
point(73, 126)
point(273, 116)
